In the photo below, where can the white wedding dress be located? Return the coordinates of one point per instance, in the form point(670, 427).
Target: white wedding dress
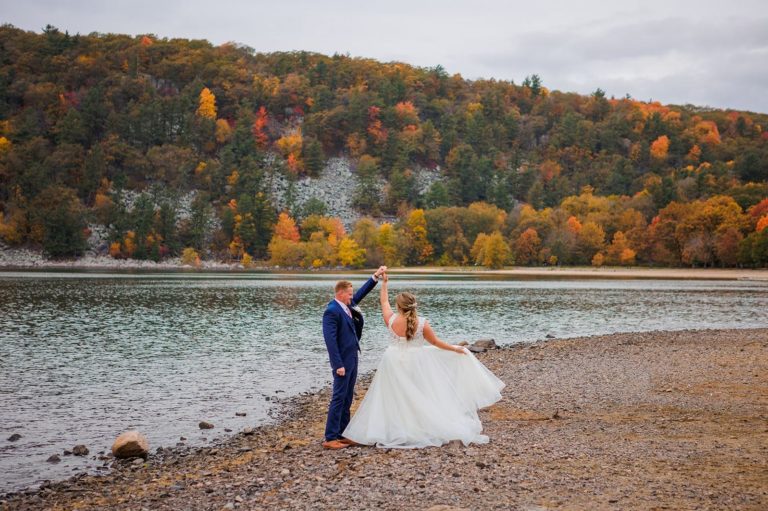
point(423, 396)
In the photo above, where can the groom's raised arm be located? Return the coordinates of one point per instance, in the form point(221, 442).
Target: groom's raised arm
point(330, 334)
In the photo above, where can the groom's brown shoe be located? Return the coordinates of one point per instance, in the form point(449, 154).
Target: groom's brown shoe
point(347, 441)
point(334, 444)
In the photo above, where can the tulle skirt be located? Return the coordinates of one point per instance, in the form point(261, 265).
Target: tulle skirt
point(424, 396)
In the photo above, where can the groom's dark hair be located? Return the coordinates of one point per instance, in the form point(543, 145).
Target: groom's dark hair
point(342, 284)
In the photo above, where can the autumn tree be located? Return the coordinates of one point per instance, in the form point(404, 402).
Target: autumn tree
point(491, 250)
point(526, 247)
point(286, 228)
point(207, 104)
point(350, 253)
point(660, 148)
point(414, 245)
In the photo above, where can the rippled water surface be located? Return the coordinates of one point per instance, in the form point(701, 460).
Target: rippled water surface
point(84, 356)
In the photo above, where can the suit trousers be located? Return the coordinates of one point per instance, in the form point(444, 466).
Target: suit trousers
point(341, 402)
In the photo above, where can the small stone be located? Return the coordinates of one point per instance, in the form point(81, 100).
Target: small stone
point(67, 452)
point(182, 438)
point(248, 431)
point(138, 461)
point(475, 349)
point(14, 437)
point(205, 425)
point(240, 414)
point(227, 430)
point(285, 472)
point(229, 505)
point(80, 450)
point(53, 459)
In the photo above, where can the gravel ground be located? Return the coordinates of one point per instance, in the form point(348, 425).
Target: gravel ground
point(661, 420)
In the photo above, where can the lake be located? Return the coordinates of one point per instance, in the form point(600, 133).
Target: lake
point(85, 356)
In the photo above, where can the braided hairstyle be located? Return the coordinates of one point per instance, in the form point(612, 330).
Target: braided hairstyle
point(406, 304)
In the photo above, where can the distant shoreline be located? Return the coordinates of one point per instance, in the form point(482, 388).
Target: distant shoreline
point(107, 264)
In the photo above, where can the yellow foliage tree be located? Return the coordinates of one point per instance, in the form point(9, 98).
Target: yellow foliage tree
point(283, 252)
point(350, 253)
point(496, 251)
point(478, 248)
point(5, 145)
point(207, 104)
point(290, 146)
point(386, 240)
point(416, 246)
point(223, 131)
point(319, 251)
point(190, 257)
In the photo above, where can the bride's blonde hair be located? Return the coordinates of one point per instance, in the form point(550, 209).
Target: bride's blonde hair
point(406, 304)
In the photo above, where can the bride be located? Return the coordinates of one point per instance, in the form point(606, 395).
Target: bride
point(422, 394)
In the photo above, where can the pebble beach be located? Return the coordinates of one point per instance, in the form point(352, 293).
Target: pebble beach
point(659, 420)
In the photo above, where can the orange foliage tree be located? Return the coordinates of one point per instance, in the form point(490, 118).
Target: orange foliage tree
point(660, 148)
point(207, 104)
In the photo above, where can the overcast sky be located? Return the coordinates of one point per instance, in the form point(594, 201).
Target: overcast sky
point(709, 53)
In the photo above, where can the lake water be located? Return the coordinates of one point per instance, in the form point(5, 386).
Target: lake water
point(85, 356)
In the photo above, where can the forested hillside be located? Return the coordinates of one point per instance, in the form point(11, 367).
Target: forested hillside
point(113, 130)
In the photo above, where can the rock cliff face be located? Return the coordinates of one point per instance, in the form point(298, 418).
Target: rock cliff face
point(335, 187)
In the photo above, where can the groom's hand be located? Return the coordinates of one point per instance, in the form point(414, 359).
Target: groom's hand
point(340, 371)
point(380, 271)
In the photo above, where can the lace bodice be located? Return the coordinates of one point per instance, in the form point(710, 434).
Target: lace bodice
point(402, 342)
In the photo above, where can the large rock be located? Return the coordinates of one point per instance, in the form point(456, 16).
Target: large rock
point(488, 344)
point(130, 444)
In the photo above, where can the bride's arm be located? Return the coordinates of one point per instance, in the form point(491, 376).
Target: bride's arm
point(431, 337)
point(386, 310)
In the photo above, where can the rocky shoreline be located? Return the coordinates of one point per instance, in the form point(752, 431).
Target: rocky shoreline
point(660, 420)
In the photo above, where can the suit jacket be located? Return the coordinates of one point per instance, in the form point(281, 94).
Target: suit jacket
point(342, 333)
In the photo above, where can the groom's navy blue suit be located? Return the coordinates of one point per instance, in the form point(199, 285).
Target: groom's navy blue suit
point(342, 338)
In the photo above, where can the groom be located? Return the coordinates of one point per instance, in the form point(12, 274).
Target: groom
point(342, 329)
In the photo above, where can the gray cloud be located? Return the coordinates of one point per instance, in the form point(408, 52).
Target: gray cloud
point(671, 60)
